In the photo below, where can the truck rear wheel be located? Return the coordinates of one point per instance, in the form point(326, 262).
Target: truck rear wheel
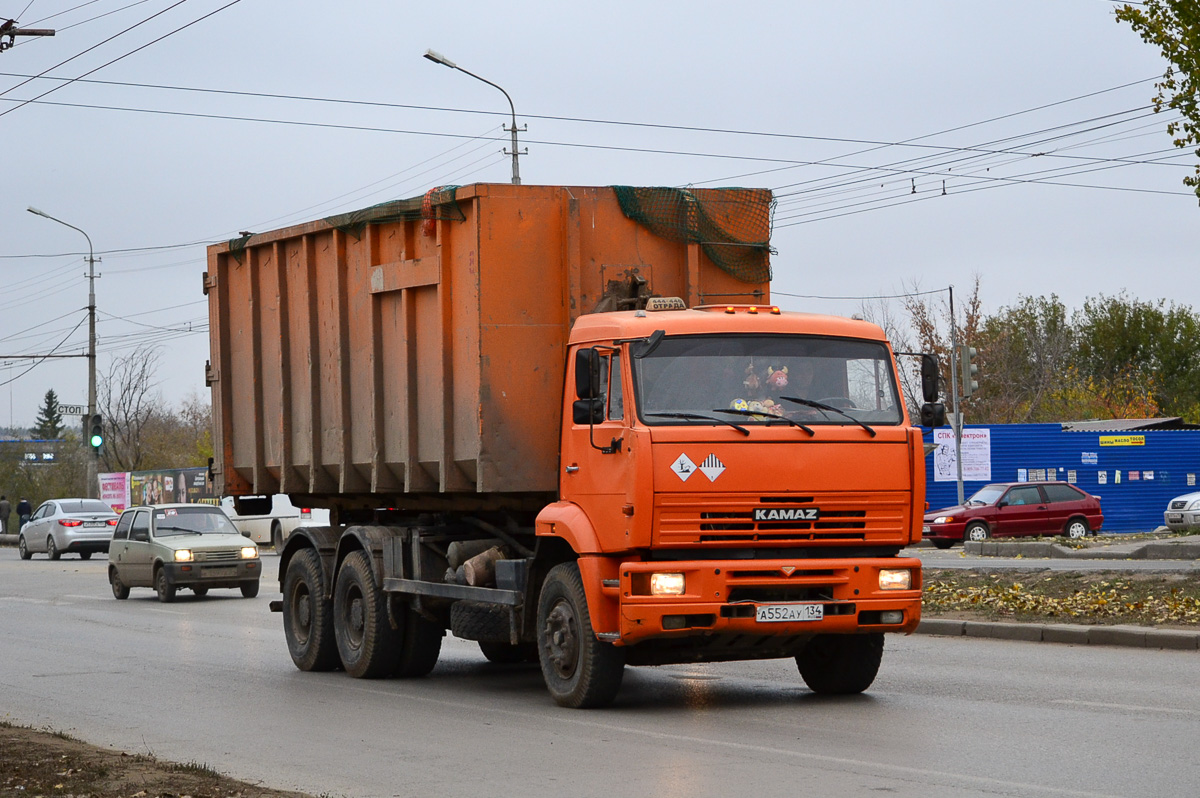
point(580, 671)
point(367, 645)
point(308, 615)
point(841, 664)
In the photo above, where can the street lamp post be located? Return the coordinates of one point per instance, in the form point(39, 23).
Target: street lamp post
point(438, 58)
point(91, 461)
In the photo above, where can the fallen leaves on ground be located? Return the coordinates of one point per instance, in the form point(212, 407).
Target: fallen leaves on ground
point(1057, 597)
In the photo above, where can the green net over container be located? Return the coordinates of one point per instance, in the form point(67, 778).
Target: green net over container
point(438, 203)
point(435, 204)
point(731, 225)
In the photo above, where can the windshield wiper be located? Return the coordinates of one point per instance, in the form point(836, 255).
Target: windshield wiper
point(178, 529)
point(823, 406)
point(767, 417)
point(701, 417)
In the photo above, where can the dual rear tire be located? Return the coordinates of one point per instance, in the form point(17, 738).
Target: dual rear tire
point(353, 628)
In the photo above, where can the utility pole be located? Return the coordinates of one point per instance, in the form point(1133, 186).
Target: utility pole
point(92, 488)
point(438, 58)
point(9, 28)
point(958, 415)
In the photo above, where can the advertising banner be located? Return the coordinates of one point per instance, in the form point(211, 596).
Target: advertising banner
point(976, 451)
point(114, 489)
point(188, 485)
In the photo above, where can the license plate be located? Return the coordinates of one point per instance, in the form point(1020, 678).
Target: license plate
point(94, 523)
point(785, 613)
point(220, 573)
point(1176, 517)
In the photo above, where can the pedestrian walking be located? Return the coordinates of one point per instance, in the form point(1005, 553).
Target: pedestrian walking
point(23, 513)
point(5, 512)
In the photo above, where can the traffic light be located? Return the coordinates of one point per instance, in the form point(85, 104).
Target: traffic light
point(96, 438)
point(966, 359)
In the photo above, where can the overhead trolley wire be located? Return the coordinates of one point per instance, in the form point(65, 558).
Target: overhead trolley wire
point(118, 58)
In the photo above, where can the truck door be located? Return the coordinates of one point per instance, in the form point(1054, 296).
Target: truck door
point(597, 457)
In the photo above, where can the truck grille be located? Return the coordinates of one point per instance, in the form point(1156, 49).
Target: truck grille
point(687, 520)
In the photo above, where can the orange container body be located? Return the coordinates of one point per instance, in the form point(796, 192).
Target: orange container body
point(419, 363)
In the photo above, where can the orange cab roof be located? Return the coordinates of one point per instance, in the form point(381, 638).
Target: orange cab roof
point(715, 319)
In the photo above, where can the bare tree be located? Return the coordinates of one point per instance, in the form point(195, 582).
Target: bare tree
point(129, 400)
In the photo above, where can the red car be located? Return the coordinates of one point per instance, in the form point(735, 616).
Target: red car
point(1012, 509)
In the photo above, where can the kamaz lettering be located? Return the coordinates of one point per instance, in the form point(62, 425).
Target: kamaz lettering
point(787, 514)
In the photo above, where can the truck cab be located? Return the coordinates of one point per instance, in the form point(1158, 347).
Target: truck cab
point(737, 480)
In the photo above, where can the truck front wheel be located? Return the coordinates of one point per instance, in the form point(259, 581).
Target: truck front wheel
point(308, 615)
point(580, 671)
point(841, 664)
point(366, 643)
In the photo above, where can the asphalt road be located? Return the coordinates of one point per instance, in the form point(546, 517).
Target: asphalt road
point(210, 681)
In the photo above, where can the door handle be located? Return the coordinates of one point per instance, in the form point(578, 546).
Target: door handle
point(571, 469)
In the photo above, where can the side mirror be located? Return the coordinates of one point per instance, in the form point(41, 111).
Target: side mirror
point(933, 414)
point(929, 379)
point(1000, 505)
point(588, 411)
point(587, 375)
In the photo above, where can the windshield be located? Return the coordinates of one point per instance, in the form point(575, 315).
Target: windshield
point(192, 521)
point(700, 375)
point(988, 494)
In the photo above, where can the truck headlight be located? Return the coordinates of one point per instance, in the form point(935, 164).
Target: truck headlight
point(666, 584)
point(895, 579)
point(183, 555)
point(249, 552)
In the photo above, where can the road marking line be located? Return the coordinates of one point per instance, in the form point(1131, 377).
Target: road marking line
point(1133, 707)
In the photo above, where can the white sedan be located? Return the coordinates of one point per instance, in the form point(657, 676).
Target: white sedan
point(68, 526)
point(1183, 512)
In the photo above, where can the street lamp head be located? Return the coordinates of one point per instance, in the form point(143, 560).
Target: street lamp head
point(438, 58)
point(32, 209)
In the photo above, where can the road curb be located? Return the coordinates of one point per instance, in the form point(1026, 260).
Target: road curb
point(1074, 634)
point(1152, 550)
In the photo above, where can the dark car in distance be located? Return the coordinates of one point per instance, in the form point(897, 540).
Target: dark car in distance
point(1015, 509)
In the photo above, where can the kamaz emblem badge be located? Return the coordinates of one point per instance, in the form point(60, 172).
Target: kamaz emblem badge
point(787, 514)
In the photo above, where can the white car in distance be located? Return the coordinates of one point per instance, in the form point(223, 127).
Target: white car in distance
point(268, 520)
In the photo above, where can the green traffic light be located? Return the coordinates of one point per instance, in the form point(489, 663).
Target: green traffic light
point(96, 441)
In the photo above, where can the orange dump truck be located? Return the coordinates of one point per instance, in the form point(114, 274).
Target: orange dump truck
point(567, 423)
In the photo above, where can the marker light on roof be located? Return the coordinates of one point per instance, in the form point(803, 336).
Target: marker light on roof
point(752, 309)
point(729, 309)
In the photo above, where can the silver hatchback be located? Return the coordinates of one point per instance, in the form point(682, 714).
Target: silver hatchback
point(172, 546)
point(67, 526)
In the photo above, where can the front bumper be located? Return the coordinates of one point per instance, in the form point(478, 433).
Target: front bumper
point(1181, 520)
point(951, 531)
point(721, 598)
point(223, 574)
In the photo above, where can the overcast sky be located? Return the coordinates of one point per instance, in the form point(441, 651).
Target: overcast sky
point(1034, 116)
